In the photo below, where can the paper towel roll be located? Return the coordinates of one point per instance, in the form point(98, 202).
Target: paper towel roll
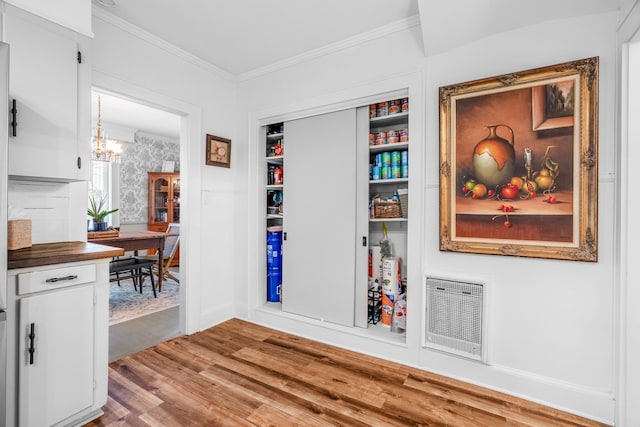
point(376, 262)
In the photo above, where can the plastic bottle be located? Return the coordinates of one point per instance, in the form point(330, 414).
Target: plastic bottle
point(277, 176)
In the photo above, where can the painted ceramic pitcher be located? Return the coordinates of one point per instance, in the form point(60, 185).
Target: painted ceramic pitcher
point(494, 158)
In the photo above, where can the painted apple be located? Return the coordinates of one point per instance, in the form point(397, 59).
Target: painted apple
point(509, 191)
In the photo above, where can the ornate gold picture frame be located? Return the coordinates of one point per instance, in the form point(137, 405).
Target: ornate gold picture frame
point(519, 163)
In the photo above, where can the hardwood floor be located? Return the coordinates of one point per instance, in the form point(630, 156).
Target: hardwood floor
point(241, 374)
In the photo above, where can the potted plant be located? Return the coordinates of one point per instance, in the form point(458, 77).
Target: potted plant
point(96, 211)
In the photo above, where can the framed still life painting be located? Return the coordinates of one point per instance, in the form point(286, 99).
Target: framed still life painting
point(518, 163)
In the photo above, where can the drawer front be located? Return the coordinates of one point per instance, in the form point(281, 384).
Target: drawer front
point(37, 281)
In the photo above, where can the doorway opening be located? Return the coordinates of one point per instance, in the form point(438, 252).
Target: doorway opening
point(149, 139)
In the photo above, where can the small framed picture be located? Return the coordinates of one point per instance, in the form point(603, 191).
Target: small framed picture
point(168, 166)
point(218, 151)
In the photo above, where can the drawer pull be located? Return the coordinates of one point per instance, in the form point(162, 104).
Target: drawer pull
point(32, 337)
point(58, 279)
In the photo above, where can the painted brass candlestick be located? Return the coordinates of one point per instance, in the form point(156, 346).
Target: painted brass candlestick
point(527, 162)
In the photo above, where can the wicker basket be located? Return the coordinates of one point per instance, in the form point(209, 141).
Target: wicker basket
point(386, 210)
point(19, 234)
point(403, 194)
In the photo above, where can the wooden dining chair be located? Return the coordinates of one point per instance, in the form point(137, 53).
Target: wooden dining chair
point(171, 243)
point(133, 268)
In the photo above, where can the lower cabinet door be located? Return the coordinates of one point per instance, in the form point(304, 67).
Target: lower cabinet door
point(55, 355)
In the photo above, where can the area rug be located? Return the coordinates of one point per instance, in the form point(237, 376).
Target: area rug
point(125, 303)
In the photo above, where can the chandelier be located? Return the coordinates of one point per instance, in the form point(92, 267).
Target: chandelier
point(103, 149)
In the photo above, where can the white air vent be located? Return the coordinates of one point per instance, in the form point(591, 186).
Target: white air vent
point(454, 317)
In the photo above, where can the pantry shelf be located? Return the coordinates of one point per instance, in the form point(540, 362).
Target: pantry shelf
point(389, 147)
point(388, 219)
point(275, 187)
point(388, 181)
point(275, 135)
point(275, 160)
point(391, 119)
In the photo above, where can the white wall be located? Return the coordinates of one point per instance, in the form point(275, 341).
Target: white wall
point(73, 14)
point(128, 62)
point(552, 323)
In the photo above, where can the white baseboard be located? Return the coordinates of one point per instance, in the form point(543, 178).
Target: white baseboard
point(215, 316)
point(586, 402)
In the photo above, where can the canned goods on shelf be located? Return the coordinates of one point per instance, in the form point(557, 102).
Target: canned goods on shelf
point(404, 135)
point(394, 106)
point(386, 158)
point(383, 109)
point(393, 136)
point(375, 172)
point(381, 138)
point(372, 139)
point(378, 160)
point(372, 110)
point(385, 172)
point(396, 172)
point(405, 171)
point(404, 157)
point(395, 158)
point(405, 104)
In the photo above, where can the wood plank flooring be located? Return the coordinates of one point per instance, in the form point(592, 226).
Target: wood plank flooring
point(241, 374)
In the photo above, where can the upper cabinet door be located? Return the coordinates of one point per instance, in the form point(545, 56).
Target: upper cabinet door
point(43, 81)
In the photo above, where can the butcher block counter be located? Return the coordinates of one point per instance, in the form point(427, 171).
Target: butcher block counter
point(59, 253)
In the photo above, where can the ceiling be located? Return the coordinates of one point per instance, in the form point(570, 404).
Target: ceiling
point(130, 114)
point(243, 37)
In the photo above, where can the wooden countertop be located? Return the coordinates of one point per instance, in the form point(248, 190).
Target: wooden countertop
point(59, 253)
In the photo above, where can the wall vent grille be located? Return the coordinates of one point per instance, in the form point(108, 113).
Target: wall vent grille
point(454, 317)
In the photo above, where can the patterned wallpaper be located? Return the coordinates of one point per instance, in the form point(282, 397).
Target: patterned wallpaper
point(145, 154)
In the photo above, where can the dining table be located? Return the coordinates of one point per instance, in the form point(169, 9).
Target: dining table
point(133, 241)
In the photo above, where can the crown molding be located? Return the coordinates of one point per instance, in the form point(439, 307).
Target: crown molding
point(383, 31)
point(155, 136)
point(138, 32)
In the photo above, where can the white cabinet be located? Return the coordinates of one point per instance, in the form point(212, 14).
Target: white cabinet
point(55, 355)
point(49, 133)
point(328, 221)
point(58, 343)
